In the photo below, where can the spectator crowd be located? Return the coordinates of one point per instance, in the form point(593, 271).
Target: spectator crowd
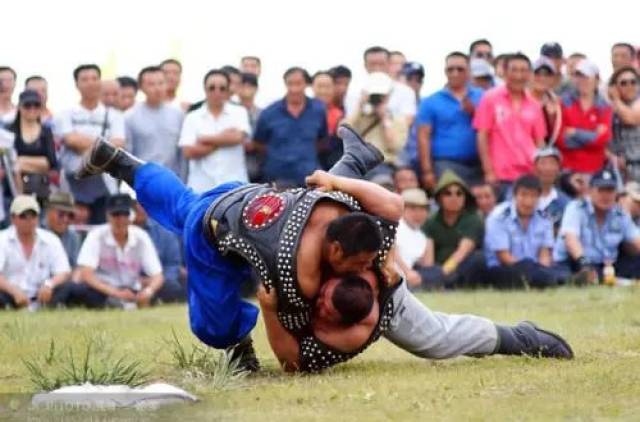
point(518, 172)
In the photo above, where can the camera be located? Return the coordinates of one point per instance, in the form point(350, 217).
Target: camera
point(376, 99)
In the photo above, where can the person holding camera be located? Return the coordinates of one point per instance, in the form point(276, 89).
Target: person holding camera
point(375, 123)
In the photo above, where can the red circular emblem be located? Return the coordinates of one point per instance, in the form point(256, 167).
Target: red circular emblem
point(263, 210)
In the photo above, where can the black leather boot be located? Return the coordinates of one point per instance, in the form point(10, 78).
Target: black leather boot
point(358, 156)
point(527, 339)
point(245, 354)
point(106, 158)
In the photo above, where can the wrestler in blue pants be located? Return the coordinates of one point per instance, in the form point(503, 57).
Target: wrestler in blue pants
point(217, 314)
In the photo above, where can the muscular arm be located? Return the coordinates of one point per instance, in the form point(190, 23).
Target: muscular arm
point(283, 344)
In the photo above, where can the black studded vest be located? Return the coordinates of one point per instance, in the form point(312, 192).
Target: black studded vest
point(264, 227)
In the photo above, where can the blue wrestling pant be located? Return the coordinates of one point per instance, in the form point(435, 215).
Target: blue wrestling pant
point(217, 314)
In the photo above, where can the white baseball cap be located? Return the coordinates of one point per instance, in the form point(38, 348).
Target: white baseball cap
point(587, 68)
point(23, 203)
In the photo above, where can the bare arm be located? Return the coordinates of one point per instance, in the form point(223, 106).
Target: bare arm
point(153, 283)
point(227, 137)
point(544, 257)
point(465, 247)
point(630, 115)
point(33, 164)
point(78, 142)
point(424, 148)
point(428, 258)
point(483, 152)
point(574, 247)
point(283, 344)
point(118, 142)
point(505, 258)
point(196, 151)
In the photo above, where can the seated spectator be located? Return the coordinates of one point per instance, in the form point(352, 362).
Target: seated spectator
point(60, 209)
point(552, 200)
point(544, 78)
point(481, 74)
point(446, 137)
point(34, 269)
point(213, 137)
point(485, 197)
point(586, 123)
point(39, 84)
point(457, 232)
point(625, 100)
point(414, 249)
point(518, 240)
point(110, 93)
point(118, 263)
point(127, 93)
point(592, 230)
point(167, 246)
point(289, 130)
point(34, 147)
point(404, 178)
point(376, 124)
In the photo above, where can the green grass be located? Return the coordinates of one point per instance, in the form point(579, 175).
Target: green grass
point(385, 383)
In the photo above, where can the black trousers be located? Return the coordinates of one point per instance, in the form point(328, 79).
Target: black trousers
point(522, 273)
point(59, 297)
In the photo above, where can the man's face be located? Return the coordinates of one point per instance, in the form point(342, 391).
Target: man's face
point(235, 83)
point(89, 84)
point(7, 83)
point(482, 51)
point(627, 86)
point(109, 93)
point(324, 302)
point(296, 84)
point(405, 179)
point(415, 215)
point(485, 198)
point(323, 88)
point(526, 201)
point(40, 86)
point(518, 75)
point(58, 220)
point(585, 84)
point(154, 87)
point(603, 199)
point(396, 61)
point(340, 88)
point(572, 62)
point(247, 92)
point(377, 62)
point(127, 98)
point(216, 90)
point(249, 65)
point(350, 264)
point(547, 170)
point(457, 71)
point(621, 57)
point(119, 222)
point(415, 83)
point(452, 198)
point(25, 223)
point(172, 74)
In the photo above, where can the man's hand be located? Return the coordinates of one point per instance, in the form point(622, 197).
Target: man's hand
point(45, 293)
point(144, 296)
point(467, 105)
point(268, 301)
point(429, 180)
point(490, 177)
point(124, 294)
point(321, 180)
point(233, 134)
point(20, 299)
point(414, 279)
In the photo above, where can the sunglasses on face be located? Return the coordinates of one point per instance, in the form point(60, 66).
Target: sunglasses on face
point(120, 214)
point(27, 215)
point(31, 105)
point(483, 55)
point(625, 82)
point(452, 69)
point(453, 192)
point(221, 88)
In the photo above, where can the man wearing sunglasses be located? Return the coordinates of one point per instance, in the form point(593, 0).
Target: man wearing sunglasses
point(481, 49)
point(34, 269)
point(213, 136)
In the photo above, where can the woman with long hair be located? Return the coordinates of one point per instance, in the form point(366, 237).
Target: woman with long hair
point(623, 92)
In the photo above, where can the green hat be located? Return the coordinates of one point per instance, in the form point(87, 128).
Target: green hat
point(448, 178)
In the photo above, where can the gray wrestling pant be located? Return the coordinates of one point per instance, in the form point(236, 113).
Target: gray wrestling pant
point(436, 335)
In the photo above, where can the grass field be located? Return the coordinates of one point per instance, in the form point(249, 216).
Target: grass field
point(385, 383)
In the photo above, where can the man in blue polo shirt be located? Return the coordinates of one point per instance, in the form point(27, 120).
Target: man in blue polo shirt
point(289, 130)
point(446, 137)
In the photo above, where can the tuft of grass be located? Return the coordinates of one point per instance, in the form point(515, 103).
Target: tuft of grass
point(15, 330)
point(58, 368)
point(219, 369)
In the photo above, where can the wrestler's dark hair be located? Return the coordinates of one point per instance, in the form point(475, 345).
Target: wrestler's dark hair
point(353, 299)
point(356, 232)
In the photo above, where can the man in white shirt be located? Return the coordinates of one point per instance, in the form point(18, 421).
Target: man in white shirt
point(34, 269)
point(80, 127)
point(118, 264)
point(212, 137)
point(402, 100)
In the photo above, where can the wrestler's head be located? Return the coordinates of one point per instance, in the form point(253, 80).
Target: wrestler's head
point(346, 300)
point(352, 243)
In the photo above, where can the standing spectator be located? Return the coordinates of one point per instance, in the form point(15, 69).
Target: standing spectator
point(8, 109)
point(235, 81)
point(542, 89)
point(323, 88)
point(568, 86)
point(623, 91)
point(60, 208)
point(552, 200)
point(510, 125)
point(172, 69)
point(341, 80)
point(553, 52)
point(39, 84)
point(247, 96)
point(118, 263)
point(34, 268)
point(481, 74)
point(127, 93)
point(518, 240)
point(457, 232)
point(586, 123)
point(34, 146)
point(622, 55)
point(80, 127)
point(485, 197)
point(377, 125)
point(413, 73)
point(397, 60)
point(289, 131)
point(446, 137)
point(109, 93)
point(481, 49)
point(401, 100)
point(499, 64)
point(153, 126)
point(212, 137)
point(404, 178)
point(592, 230)
point(251, 64)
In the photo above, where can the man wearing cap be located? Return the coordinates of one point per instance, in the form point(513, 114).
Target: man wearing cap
point(414, 77)
point(118, 263)
point(446, 138)
point(542, 89)
point(552, 201)
point(592, 230)
point(481, 74)
point(34, 268)
point(60, 211)
point(553, 52)
point(518, 240)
